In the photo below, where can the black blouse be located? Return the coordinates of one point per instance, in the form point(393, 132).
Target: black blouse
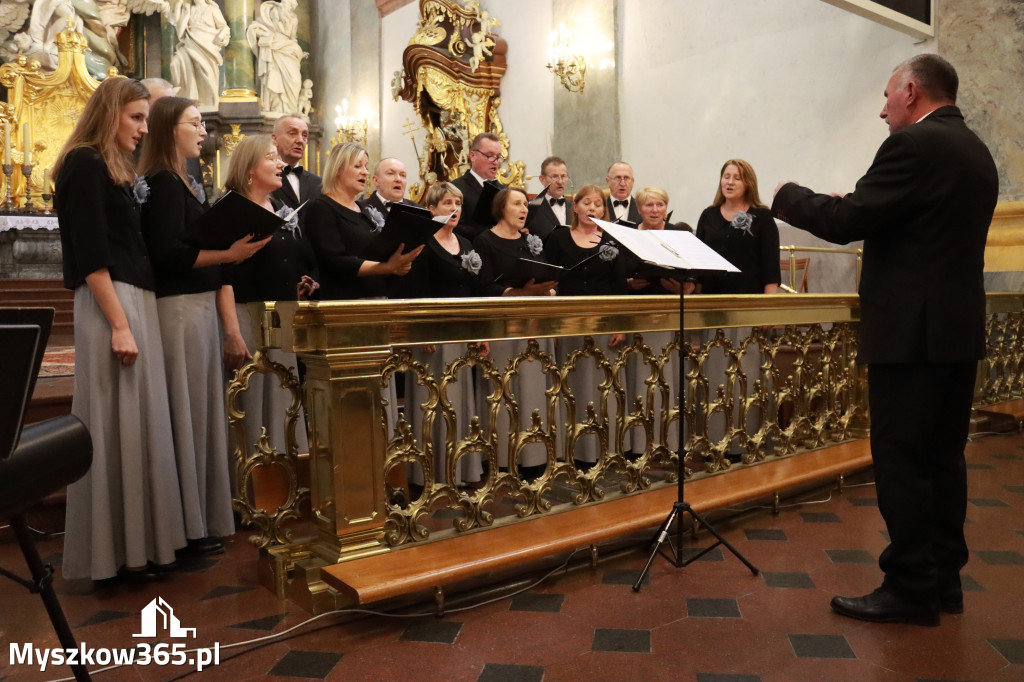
point(596, 277)
point(500, 260)
point(438, 274)
point(337, 234)
point(170, 208)
point(100, 223)
point(756, 253)
point(273, 272)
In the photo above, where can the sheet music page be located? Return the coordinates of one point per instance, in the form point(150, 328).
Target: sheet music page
point(668, 248)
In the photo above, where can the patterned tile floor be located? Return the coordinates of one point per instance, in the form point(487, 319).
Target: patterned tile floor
point(709, 622)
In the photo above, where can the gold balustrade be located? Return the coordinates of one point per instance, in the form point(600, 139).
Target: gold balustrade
point(787, 384)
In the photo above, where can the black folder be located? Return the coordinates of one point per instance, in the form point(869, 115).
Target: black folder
point(482, 211)
point(405, 224)
point(230, 219)
point(539, 271)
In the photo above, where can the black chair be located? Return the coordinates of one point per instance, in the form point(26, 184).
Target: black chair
point(36, 460)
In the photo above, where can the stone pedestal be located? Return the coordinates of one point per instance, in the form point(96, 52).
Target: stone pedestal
point(29, 247)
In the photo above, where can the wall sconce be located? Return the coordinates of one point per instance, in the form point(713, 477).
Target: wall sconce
point(570, 68)
point(349, 128)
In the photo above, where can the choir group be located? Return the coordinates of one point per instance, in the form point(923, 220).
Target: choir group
point(158, 319)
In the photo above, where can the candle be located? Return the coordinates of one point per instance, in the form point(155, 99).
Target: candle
point(7, 143)
point(26, 138)
point(46, 181)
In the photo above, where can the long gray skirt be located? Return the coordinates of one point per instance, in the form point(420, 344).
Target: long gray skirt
point(461, 394)
point(190, 330)
point(126, 510)
point(265, 402)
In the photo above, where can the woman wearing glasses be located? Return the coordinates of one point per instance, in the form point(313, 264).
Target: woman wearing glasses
point(190, 298)
point(124, 515)
point(283, 270)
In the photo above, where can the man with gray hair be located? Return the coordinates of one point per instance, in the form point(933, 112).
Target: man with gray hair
point(620, 206)
point(389, 180)
point(923, 210)
point(298, 185)
point(485, 158)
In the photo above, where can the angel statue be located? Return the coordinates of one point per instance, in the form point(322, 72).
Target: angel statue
point(196, 60)
point(272, 37)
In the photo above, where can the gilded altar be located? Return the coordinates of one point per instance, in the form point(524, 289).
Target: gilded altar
point(452, 70)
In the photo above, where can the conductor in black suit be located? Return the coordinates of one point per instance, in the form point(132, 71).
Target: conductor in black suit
point(620, 203)
point(298, 185)
point(389, 180)
point(923, 210)
point(554, 208)
point(485, 158)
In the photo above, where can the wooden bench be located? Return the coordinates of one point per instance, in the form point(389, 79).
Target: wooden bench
point(434, 564)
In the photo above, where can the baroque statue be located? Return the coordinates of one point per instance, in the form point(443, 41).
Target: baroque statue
point(451, 74)
point(272, 37)
point(196, 60)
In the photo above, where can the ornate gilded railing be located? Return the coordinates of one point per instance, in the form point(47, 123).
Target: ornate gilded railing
point(762, 377)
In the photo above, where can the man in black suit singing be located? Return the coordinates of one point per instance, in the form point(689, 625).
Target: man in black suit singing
point(554, 208)
point(620, 205)
point(923, 210)
point(298, 185)
point(485, 157)
point(389, 180)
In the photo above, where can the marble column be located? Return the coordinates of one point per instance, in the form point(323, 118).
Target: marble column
point(168, 40)
point(238, 77)
point(586, 124)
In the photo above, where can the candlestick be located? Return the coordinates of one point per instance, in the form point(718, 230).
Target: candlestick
point(26, 138)
point(7, 142)
point(26, 170)
point(8, 170)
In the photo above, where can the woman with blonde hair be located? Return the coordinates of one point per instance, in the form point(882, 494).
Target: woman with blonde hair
point(124, 516)
point(191, 297)
point(339, 230)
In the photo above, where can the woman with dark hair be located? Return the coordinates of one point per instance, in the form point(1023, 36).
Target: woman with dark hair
point(741, 229)
point(190, 296)
point(500, 249)
point(339, 231)
point(280, 271)
point(125, 514)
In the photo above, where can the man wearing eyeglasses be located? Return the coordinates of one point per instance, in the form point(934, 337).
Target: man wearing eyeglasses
point(485, 157)
point(554, 208)
point(291, 134)
point(620, 204)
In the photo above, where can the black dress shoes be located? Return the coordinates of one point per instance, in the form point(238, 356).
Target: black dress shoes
point(204, 547)
point(143, 574)
point(951, 600)
point(884, 606)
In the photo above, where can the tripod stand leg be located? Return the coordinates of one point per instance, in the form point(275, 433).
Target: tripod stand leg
point(722, 541)
point(42, 578)
point(656, 544)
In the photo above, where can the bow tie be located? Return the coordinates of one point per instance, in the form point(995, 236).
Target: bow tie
point(297, 170)
point(560, 202)
point(620, 202)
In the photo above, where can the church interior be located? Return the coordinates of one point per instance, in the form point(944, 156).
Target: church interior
point(391, 522)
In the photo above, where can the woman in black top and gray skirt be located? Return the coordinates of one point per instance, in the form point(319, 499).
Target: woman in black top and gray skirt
point(190, 297)
point(125, 514)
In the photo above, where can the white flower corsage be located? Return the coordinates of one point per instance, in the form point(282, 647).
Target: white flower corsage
point(140, 189)
point(742, 222)
point(607, 252)
point(534, 244)
point(376, 216)
point(471, 261)
point(198, 190)
point(291, 218)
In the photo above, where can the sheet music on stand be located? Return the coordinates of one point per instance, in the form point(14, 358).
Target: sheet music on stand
point(672, 249)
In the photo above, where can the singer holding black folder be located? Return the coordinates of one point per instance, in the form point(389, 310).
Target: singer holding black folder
point(283, 270)
point(653, 203)
point(339, 230)
point(191, 295)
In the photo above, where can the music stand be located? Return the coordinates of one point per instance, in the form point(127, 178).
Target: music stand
point(34, 462)
point(681, 507)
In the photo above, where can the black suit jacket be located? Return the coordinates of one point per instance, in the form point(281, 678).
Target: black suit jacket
point(374, 201)
point(923, 210)
point(634, 210)
point(471, 190)
point(309, 188)
point(544, 222)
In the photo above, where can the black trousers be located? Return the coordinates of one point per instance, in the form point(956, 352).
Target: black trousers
point(920, 415)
